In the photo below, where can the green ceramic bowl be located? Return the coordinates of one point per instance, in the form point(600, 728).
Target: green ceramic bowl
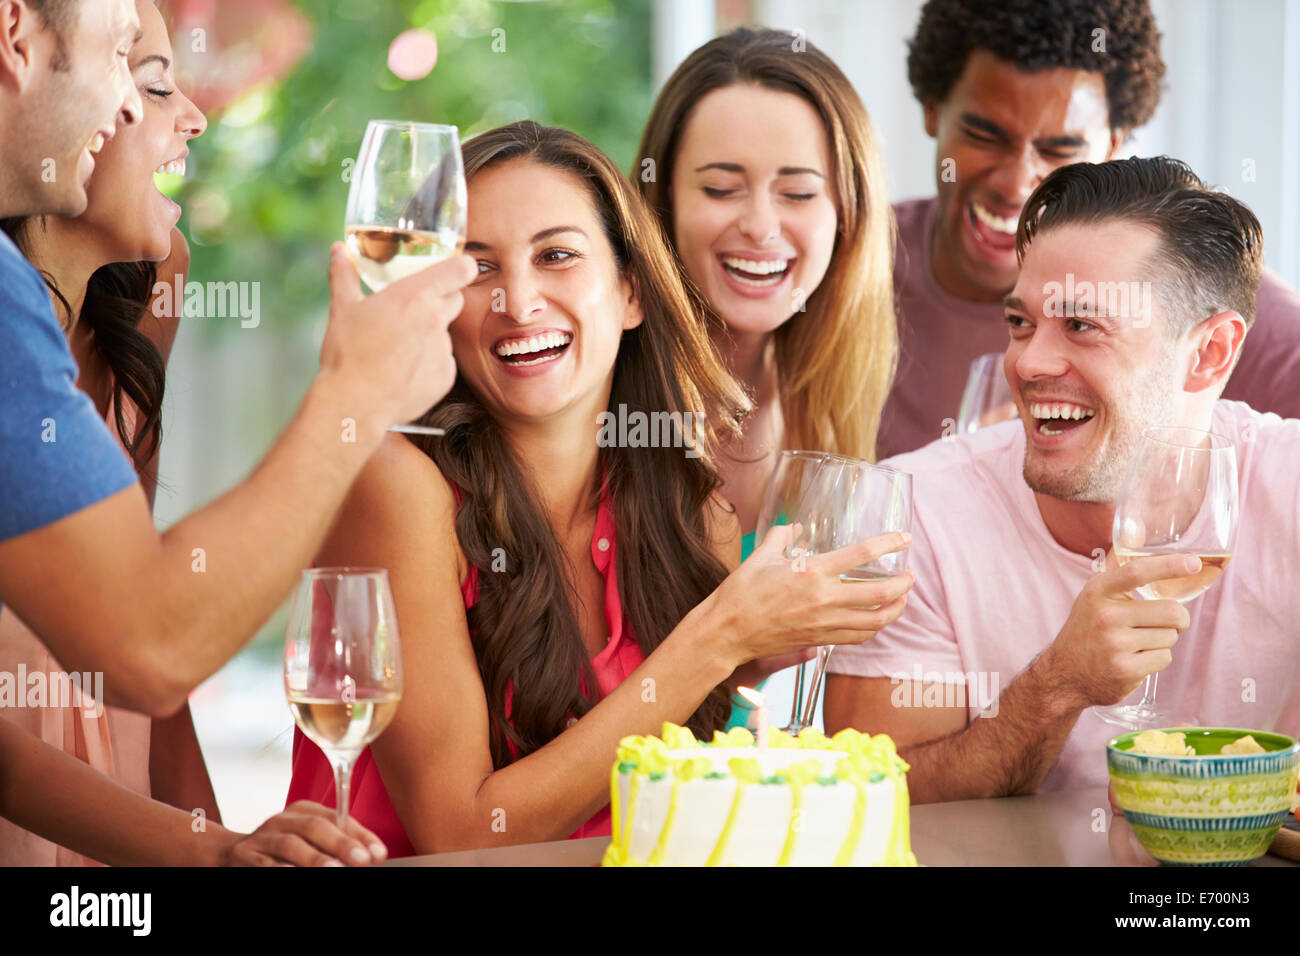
point(1210, 809)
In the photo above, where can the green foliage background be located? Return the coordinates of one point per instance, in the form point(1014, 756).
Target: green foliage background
point(266, 193)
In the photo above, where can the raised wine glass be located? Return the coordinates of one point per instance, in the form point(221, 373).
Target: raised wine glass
point(406, 207)
point(849, 501)
point(1180, 497)
point(343, 665)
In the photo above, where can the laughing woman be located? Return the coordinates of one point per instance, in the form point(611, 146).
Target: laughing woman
point(82, 775)
point(770, 188)
point(556, 593)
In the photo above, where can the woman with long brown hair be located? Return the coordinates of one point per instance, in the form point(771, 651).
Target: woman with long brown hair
point(760, 161)
point(560, 582)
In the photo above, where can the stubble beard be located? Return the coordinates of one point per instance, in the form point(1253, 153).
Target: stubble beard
point(1100, 476)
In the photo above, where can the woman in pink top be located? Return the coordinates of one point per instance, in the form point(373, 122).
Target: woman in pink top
point(560, 559)
point(85, 774)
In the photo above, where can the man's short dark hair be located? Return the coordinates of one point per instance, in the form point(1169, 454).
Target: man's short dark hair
point(1211, 245)
point(1043, 35)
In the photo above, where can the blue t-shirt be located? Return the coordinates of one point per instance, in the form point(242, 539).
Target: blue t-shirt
point(56, 453)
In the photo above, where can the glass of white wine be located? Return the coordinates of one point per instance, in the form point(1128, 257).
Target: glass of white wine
point(1180, 498)
point(343, 665)
point(407, 205)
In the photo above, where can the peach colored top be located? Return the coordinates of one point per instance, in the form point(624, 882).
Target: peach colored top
point(111, 740)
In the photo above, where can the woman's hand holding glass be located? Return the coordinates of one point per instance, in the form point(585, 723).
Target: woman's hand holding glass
point(774, 604)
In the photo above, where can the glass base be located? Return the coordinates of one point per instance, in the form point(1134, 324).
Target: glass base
point(1138, 717)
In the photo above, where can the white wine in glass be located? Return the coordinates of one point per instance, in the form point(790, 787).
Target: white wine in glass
point(343, 665)
point(1182, 589)
point(407, 206)
point(386, 254)
point(1180, 497)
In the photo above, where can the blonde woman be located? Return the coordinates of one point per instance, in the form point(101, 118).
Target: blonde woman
point(761, 163)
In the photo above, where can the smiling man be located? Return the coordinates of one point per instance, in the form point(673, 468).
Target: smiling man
point(1011, 90)
point(1014, 584)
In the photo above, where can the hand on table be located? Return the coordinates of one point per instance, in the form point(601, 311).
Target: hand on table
point(304, 834)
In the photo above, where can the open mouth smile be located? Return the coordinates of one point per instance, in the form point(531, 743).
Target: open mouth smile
point(756, 273)
point(1056, 418)
point(534, 350)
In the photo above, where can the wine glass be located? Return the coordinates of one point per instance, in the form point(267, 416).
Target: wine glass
point(406, 207)
point(1180, 498)
point(343, 665)
point(785, 489)
point(987, 399)
point(849, 501)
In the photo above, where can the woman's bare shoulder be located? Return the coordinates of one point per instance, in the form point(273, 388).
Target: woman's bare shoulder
point(401, 502)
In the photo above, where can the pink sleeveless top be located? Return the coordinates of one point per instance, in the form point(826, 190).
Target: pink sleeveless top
point(313, 777)
point(111, 740)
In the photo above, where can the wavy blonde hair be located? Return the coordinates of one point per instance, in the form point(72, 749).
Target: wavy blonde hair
point(836, 359)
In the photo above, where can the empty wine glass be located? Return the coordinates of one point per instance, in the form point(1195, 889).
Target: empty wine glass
point(1180, 497)
point(343, 665)
point(850, 500)
point(790, 479)
point(987, 399)
point(407, 206)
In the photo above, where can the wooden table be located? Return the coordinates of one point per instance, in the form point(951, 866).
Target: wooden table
point(1071, 828)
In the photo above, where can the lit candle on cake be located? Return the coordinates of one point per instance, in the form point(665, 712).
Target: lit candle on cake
point(759, 703)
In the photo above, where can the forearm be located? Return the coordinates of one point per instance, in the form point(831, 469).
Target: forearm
point(550, 793)
point(222, 570)
point(177, 774)
point(996, 756)
point(64, 800)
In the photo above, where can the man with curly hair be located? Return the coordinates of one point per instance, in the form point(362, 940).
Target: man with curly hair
point(1011, 90)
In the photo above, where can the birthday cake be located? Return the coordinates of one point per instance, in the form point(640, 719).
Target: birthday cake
point(810, 800)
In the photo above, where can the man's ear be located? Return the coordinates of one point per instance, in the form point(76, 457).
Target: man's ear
point(1218, 342)
point(1118, 137)
point(633, 314)
point(20, 25)
point(930, 108)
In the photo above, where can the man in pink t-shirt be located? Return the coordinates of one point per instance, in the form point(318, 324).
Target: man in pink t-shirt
point(1020, 622)
point(1011, 91)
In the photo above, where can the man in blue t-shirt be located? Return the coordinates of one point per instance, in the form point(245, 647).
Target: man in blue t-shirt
point(80, 560)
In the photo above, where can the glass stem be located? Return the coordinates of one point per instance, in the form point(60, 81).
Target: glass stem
point(795, 726)
point(823, 655)
point(342, 784)
point(1149, 692)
